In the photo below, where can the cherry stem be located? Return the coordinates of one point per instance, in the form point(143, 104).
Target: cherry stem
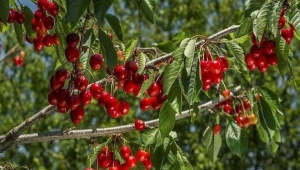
point(217, 119)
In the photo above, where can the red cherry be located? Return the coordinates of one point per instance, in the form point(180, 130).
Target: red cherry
point(63, 96)
point(145, 104)
point(263, 68)
point(246, 121)
point(113, 168)
point(12, 16)
point(42, 32)
point(39, 15)
point(96, 90)
point(18, 61)
point(207, 56)
point(120, 72)
point(255, 51)
point(74, 101)
point(148, 164)
point(124, 107)
point(36, 25)
point(125, 151)
point(131, 66)
point(139, 124)
point(224, 63)
point(129, 86)
point(114, 111)
point(238, 109)
point(81, 82)
point(216, 79)
point(281, 23)
point(227, 108)
point(154, 89)
point(124, 166)
point(72, 54)
point(55, 84)
point(48, 40)
point(20, 17)
point(102, 98)
point(249, 59)
point(61, 75)
point(77, 115)
point(42, 4)
point(96, 61)
point(206, 86)
point(156, 102)
point(251, 67)
point(106, 162)
point(246, 104)
point(52, 97)
point(136, 90)
point(48, 22)
point(111, 102)
point(226, 93)
point(56, 39)
point(282, 12)
point(268, 47)
point(216, 129)
point(141, 155)
point(72, 39)
point(53, 8)
point(272, 59)
point(239, 121)
point(85, 97)
point(116, 163)
point(215, 67)
point(206, 78)
point(261, 61)
point(287, 34)
point(131, 161)
point(62, 109)
point(38, 44)
point(253, 39)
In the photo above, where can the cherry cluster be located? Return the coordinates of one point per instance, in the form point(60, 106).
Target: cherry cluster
point(15, 16)
point(211, 71)
point(286, 33)
point(261, 55)
point(43, 22)
point(155, 97)
point(240, 109)
point(19, 59)
point(107, 158)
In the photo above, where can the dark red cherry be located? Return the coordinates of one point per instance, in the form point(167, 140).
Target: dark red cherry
point(42, 4)
point(111, 101)
point(251, 67)
point(38, 44)
point(154, 89)
point(114, 111)
point(36, 25)
point(74, 101)
point(53, 8)
point(249, 59)
point(287, 34)
point(62, 109)
point(239, 121)
point(148, 164)
point(145, 104)
point(268, 47)
point(55, 84)
point(96, 61)
point(72, 54)
point(56, 39)
point(206, 86)
point(72, 39)
point(131, 66)
point(120, 72)
point(48, 40)
point(77, 115)
point(124, 107)
point(272, 59)
point(131, 161)
point(61, 75)
point(48, 22)
point(39, 15)
point(81, 82)
point(20, 17)
point(86, 97)
point(12, 16)
point(216, 79)
point(253, 39)
point(227, 108)
point(281, 23)
point(263, 68)
point(215, 67)
point(261, 61)
point(129, 86)
point(102, 98)
point(255, 51)
point(52, 97)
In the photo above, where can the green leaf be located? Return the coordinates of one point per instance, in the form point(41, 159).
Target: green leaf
point(294, 17)
point(174, 97)
point(29, 16)
point(19, 33)
point(245, 28)
point(263, 134)
point(147, 7)
point(4, 8)
point(141, 62)
point(260, 24)
point(239, 61)
point(184, 164)
point(166, 46)
point(282, 50)
point(100, 8)
point(207, 137)
point(274, 18)
point(170, 74)
point(130, 47)
point(89, 38)
point(115, 25)
point(189, 52)
point(274, 147)
point(271, 98)
point(75, 10)
point(146, 84)
point(166, 119)
point(60, 53)
point(177, 38)
point(149, 136)
point(252, 5)
point(214, 147)
point(108, 50)
point(236, 139)
point(191, 85)
point(164, 156)
point(92, 156)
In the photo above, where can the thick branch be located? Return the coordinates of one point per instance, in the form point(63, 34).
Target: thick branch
point(88, 133)
point(10, 138)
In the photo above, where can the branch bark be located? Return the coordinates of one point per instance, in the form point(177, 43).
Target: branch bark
point(9, 52)
point(88, 133)
point(12, 137)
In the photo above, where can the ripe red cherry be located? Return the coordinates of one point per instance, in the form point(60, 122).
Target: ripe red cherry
point(272, 59)
point(246, 104)
point(36, 25)
point(102, 97)
point(125, 151)
point(156, 102)
point(39, 15)
point(72, 54)
point(56, 39)
point(12, 16)
point(20, 17)
point(281, 23)
point(72, 39)
point(113, 168)
point(131, 161)
point(249, 59)
point(106, 162)
point(131, 66)
point(253, 39)
point(139, 124)
point(81, 82)
point(62, 109)
point(129, 86)
point(124, 107)
point(287, 34)
point(216, 79)
point(206, 86)
point(54, 83)
point(141, 155)
point(53, 8)
point(239, 121)
point(227, 108)
point(268, 47)
point(216, 129)
point(28, 39)
point(63, 96)
point(120, 72)
point(113, 112)
point(77, 115)
point(215, 67)
point(38, 44)
point(96, 90)
point(48, 40)
point(251, 67)
point(42, 4)
point(96, 61)
point(111, 102)
point(52, 97)
point(74, 101)
point(48, 22)
point(261, 61)
point(224, 63)
point(154, 89)
point(18, 61)
point(226, 93)
point(61, 75)
point(148, 164)
point(145, 104)
point(85, 97)
point(246, 121)
point(263, 68)
point(255, 51)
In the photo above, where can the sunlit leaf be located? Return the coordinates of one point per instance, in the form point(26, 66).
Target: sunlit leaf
point(115, 25)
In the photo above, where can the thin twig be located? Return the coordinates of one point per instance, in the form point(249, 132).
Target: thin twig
point(89, 133)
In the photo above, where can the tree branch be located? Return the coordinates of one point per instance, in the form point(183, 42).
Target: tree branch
point(88, 133)
point(9, 52)
point(10, 138)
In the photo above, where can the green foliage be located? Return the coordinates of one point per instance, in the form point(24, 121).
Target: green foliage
point(236, 139)
point(212, 143)
point(4, 8)
point(108, 50)
point(100, 8)
point(147, 8)
point(115, 25)
point(130, 47)
point(166, 119)
point(75, 9)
